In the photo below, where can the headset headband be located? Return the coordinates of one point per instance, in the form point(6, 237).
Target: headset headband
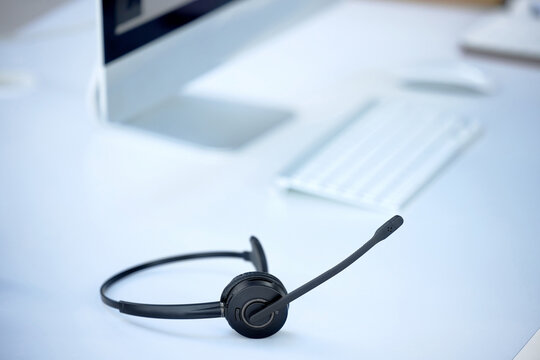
point(181, 311)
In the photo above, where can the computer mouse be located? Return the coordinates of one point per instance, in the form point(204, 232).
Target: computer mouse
point(455, 76)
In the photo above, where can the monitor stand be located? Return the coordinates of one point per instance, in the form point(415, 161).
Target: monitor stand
point(209, 122)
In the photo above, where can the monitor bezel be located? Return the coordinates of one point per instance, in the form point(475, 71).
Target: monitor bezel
point(117, 45)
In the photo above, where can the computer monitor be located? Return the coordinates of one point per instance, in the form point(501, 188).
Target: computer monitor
point(150, 49)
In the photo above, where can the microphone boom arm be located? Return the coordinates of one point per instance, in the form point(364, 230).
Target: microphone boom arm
point(382, 233)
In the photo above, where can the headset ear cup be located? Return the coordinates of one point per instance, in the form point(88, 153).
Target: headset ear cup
point(248, 293)
point(249, 275)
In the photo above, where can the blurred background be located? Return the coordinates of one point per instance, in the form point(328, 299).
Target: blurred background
point(133, 130)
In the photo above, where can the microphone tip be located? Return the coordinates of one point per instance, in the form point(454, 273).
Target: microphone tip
point(396, 221)
point(389, 227)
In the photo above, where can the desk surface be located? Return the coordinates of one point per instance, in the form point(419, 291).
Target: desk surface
point(80, 201)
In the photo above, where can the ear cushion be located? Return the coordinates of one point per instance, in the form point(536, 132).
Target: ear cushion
point(252, 275)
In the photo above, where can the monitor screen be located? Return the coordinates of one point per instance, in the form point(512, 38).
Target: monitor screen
point(130, 24)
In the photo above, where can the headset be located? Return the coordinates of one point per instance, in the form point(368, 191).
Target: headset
point(255, 303)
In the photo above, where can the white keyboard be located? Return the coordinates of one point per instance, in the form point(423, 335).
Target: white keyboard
point(381, 156)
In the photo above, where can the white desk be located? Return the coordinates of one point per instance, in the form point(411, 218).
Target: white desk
point(79, 202)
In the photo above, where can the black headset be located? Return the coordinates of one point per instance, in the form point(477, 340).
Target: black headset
point(255, 303)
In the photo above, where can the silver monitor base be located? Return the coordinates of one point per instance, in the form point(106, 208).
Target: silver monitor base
point(209, 122)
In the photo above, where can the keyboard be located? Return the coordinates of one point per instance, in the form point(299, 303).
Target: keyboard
point(381, 156)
